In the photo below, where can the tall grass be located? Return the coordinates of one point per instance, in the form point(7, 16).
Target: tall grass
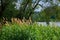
point(24, 31)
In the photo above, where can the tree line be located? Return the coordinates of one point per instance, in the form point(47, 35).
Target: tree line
point(27, 9)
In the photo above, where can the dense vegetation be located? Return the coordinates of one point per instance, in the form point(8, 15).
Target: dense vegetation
point(17, 19)
point(26, 8)
point(29, 32)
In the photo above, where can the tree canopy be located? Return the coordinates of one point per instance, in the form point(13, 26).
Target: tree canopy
point(27, 9)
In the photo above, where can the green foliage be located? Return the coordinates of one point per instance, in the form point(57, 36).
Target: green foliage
point(25, 9)
point(10, 11)
point(29, 32)
point(48, 14)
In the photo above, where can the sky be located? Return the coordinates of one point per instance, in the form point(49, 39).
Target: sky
point(44, 4)
point(47, 4)
point(39, 9)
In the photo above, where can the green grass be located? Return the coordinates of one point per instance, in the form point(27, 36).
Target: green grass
point(29, 32)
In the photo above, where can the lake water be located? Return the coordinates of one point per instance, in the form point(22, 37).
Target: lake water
point(50, 23)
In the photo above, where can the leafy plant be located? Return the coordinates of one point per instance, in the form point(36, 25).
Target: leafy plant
point(29, 32)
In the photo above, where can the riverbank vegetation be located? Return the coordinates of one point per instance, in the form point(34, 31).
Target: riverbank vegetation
point(29, 32)
point(18, 19)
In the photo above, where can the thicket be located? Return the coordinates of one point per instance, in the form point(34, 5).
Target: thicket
point(29, 32)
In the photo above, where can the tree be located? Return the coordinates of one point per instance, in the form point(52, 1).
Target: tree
point(6, 7)
point(27, 8)
point(50, 12)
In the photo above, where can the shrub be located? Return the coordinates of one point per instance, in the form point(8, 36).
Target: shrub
point(29, 32)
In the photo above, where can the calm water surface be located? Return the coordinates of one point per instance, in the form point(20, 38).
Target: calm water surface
point(50, 23)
